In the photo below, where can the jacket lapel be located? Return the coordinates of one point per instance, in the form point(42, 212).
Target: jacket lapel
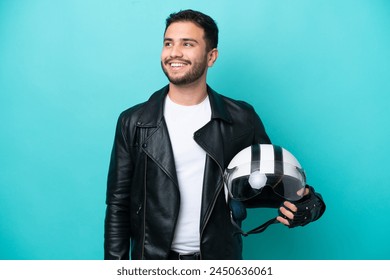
point(158, 147)
point(157, 144)
point(213, 174)
point(209, 137)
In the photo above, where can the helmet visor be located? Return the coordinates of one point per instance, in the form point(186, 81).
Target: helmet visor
point(286, 180)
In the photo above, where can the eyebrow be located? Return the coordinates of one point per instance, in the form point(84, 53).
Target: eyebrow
point(183, 39)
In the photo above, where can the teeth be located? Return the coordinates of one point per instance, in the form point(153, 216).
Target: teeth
point(177, 64)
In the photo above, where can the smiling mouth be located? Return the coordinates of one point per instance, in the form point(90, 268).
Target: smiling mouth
point(176, 64)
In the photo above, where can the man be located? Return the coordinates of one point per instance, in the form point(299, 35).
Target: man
point(165, 194)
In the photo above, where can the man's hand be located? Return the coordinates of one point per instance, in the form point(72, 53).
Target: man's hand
point(288, 210)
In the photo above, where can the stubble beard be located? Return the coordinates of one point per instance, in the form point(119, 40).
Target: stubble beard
point(194, 74)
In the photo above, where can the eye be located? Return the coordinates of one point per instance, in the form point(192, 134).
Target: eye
point(167, 44)
point(188, 44)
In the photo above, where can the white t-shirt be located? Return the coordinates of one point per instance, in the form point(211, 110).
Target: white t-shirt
point(190, 158)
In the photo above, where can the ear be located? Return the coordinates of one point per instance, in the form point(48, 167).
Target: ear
point(212, 57)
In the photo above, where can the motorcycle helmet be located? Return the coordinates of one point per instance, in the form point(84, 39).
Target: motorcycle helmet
point(262, 165)
point(259, 173)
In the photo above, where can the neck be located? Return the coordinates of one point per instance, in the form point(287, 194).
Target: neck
point(188, 95)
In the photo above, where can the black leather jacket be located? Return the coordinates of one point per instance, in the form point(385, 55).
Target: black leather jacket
point(142, 195)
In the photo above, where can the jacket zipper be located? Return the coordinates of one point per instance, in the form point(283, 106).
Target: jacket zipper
point(139, 209)
point(213, 204)
point(144, 212)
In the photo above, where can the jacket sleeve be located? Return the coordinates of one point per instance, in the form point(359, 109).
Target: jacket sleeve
point(117, 229)
point(260, 135)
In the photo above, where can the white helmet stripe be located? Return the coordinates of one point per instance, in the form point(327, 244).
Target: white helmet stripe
point(267, 159)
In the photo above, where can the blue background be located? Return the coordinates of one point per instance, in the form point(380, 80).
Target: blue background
point(317, 73)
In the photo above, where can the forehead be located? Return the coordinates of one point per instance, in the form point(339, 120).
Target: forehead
point(184, 30)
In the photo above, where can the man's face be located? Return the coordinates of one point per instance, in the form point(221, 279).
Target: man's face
point(184, 58)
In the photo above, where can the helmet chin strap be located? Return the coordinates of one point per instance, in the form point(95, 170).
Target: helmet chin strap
point(258, 229)
point(238, 214)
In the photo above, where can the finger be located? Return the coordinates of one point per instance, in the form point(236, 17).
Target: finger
point(286, 213)
point(282, 220)
point(290, 206)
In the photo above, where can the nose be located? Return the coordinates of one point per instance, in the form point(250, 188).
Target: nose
point(176, 51)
